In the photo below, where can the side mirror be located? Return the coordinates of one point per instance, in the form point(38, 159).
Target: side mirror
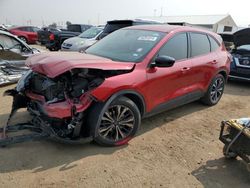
point(163, 61)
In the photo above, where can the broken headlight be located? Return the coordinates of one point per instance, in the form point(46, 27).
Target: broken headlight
point(23, 80)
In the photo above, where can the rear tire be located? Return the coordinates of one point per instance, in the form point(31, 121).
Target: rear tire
point(23, 39)
point(215, 91)
point(114, 124)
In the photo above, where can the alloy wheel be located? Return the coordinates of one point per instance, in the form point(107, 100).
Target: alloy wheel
point(117, 123)
point(217, 90)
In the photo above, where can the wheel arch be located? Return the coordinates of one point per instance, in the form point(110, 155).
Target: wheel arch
point(224, 74)
point(100, 107)
point(133, 95)
point(23, 37)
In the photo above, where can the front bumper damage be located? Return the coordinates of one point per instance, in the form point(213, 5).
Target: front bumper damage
point(59, 96)
point(44, 116)
point(62, 121)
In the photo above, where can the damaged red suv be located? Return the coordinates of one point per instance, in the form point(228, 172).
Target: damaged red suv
point(133, 73)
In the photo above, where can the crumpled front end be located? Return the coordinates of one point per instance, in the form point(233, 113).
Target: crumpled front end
point(61, 102)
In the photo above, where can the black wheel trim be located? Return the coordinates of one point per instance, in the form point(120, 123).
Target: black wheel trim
point(117, 123)
point(217, 90)
point(23, 39)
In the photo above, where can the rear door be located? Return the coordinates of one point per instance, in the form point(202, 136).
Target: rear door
point(204, 60)
point(32, 32)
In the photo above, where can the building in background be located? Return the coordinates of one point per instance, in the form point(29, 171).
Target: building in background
point(216, 23)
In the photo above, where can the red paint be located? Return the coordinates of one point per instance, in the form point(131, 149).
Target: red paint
point(61, 109)
point(156, 85)
point(56, 63)
point(31, 37)
point(122, 142)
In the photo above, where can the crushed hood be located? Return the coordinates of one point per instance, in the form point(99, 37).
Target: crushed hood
point(242, 37)
point(55, 63)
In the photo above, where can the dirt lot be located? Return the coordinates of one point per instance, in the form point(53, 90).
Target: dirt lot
point(179, 148)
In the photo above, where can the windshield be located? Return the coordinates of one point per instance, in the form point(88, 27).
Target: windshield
point(91, 33)
point(126, 45)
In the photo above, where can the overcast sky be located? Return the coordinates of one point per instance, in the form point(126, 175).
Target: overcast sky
point(39, 12)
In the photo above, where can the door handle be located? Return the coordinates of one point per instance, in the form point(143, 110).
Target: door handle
point(185, 69)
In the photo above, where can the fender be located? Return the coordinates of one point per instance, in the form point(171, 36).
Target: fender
point(101, 107)
point(127, 93)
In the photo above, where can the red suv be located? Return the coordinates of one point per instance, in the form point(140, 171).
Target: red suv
point(132, 73)
point(26, 33)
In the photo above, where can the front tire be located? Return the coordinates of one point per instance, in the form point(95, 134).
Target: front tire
point(215, 91)
point(23, 39)
point(114, 124)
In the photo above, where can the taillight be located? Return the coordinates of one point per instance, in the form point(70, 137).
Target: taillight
point(51, 37)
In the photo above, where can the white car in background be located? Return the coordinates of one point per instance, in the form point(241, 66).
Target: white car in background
point(82, 41)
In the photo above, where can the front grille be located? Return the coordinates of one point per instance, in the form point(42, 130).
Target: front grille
point(46, 87)
point(243, 71)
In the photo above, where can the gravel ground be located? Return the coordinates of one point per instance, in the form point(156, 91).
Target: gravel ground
point(178, 148)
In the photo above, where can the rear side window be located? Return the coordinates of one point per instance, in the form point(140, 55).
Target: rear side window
point(23, 28)
point(176, 47)
point(34, 29)
point(214, 44)
point(109, 28)
point(74, 28)
point(199, 44)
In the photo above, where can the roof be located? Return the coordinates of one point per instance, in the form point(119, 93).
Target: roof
point(168, 28)
point(191, 19)
point(161, 28)
point(133, 20)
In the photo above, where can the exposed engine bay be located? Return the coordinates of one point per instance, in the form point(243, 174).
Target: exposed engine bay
point(59, 104)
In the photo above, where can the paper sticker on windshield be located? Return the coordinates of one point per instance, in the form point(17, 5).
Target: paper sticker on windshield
point(147, 38)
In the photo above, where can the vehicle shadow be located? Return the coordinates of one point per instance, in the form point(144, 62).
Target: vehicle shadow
point(237, 88)
point(42, 155)
point(223, 173)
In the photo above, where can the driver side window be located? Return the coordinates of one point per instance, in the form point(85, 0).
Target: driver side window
point(176, 47)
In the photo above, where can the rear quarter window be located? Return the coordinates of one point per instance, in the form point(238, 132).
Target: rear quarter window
point(200, 44)
point(214, 44)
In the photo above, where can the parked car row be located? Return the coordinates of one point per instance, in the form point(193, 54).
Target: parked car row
point(54, 40)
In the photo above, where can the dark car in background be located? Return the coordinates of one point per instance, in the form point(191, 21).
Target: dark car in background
point(26, 33)
point(240, 50)
point(44, 33)
point(114, 25)
point(54, 38)
point(13, 53)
